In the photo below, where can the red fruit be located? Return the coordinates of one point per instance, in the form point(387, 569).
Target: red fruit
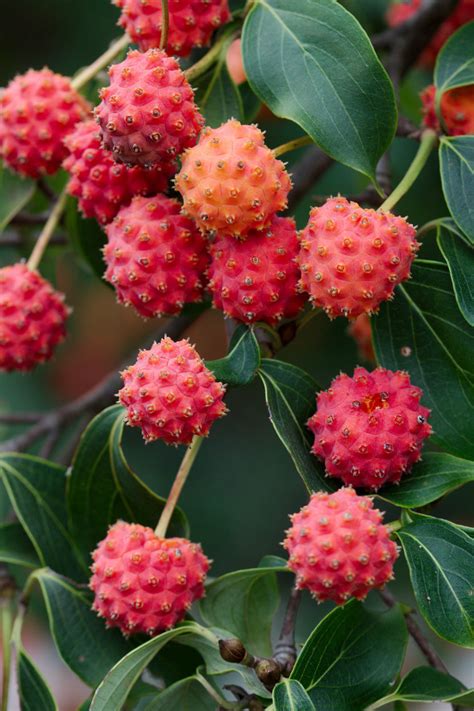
point(256, 280)
point(155, 257)
point(231, 182)
point(457, 110)
point(32, 318)
point(339, 547)
point(37, 111)
point(191, 22)
point(401, 11)
point(145, 584)
point(369, 429)
point(148, 114)
point(352, 258)
point(101, 185)
point(171, 394)
point(361, 331)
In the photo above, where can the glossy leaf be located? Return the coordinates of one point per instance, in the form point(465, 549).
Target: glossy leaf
point(352, 657)
point(102, 488)
point(185, 695)
point(310, 61)
point(15, 193)
point(455, 62)
point(440, 558)
point(459, 256)
point(423, 331)
point(457, 177)
point(87, 238)
point(290, 695)
point(32, 688)
point(16, 548)
point(36, 489)
point(242, 362)
point(217, 96)
point(291, 399)
point(436, 475)
point(427, 685)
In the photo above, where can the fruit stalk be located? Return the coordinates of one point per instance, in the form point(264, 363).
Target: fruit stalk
point(48, 231)
point(203, 64)
point(178, 484)
point(165, 24)
point(100, 63)
point(292, 145)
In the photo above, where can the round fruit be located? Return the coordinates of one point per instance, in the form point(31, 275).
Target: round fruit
point(457, 110)
point(235, 64)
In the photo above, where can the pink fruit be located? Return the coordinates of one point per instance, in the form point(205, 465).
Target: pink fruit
point(235, 65)
point(457, 110)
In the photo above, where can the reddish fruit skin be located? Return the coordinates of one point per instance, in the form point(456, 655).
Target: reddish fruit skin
point(145, 584)
point(37, 111)
point(234, 61)
point(339, 547)
point(352, 258)
point(231, 182)
point(32, 318)
point(369, 429)
point(147, 114)
point(256, 280)
point(457, 110)
point(191, 23)
point(401, 11)
point(101, 185)
point(361, 331)
point(170, 394)
point(156, 258)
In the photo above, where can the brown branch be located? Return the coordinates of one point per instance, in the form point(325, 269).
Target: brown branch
point(25, 218)
point(306, 172)
point(17, 239)
point(285, 648)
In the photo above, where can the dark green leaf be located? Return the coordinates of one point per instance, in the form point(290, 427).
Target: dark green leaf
point(291, 399)
point(244, 602)
point(459, 256)
point(440, 557)
point(33, 690)
point(425, 684)
point(15, 546)
point(422, 331)
point(36, 489)
point(86, 237)
point(311, 61)
point(455, 62)
point(15, 192)
point(240, 365)
point(217, 95)
point(186, 695)
point(436, 475)
point(457, 177)
point(102, 488)
point(352, 657)
point(80, 636)
point(290, 695)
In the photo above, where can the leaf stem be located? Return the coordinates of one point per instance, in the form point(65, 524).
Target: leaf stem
point(428, 226)
point(6, 621)
point(292, 145)
point(165, 23)
point(201, 66)
point(428, 140)
point(100, 63)
point(394, 526)
point(223, 703)
point(47, 231)
point(178, 484)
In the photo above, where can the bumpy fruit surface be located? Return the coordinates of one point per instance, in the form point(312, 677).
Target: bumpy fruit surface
point(256, 280)
point(101, 185)
point(231, 182)
point(37, 111)
point(32, 318)
point(191, 22)
point(402, 10)
point(145, 584)
point(457, 110)
point(148, 114)
point(339, 547)
point(170, 394)
point(360, 329)
point(156, 257)
point(369, 429)
point(352, 258)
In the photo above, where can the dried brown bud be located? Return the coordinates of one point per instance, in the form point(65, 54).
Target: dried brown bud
point(232, 650)
point(269, 672)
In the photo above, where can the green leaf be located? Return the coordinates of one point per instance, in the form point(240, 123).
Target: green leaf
point(455, 62)
point(425, 685)
point(423, 331)
point(290, 695)
point(440, 558)
point(102, 488)
point(217, 96)
point(435, 476)
point(310, 61)
point(36, 489)
point(291, 399)
point(185, 695)
point(80, 636)
point(459, 256)
point(16, 548)
point(244, 602)
point(243, 360)
point(87, 238)
point(15, 193)
point(457, 177)
point(33, 690)
point(352, 657)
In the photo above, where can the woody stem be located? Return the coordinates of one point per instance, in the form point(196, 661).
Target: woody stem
point(165, 23)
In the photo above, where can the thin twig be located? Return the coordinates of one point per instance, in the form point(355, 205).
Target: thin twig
point(19, 418)
point(46, 190)
point(24, 218)
point(17, 239)
point(81, 79)
point(305, 174)
point(48, 231)
point(285, 648)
